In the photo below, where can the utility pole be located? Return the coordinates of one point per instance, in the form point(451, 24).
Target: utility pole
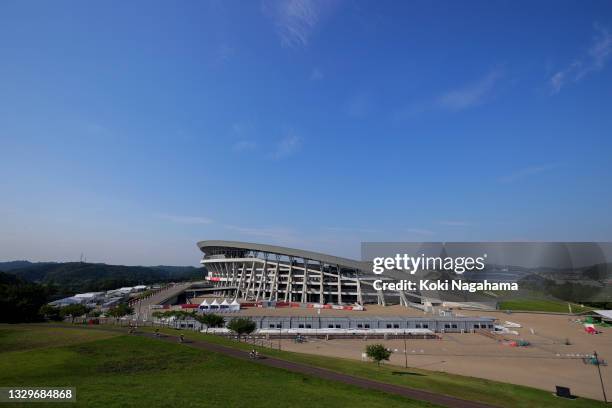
point(280, 329)
point(405, 351)
point(603, 389)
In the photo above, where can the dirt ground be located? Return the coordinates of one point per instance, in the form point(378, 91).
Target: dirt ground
point(544, 364)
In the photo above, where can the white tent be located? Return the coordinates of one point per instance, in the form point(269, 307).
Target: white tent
point(204, 305)
point(605, 314)
point(224, 305)
point(235, 306)
point(214, 305)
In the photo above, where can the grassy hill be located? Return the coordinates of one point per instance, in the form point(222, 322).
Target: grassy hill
point(113, 369)
point(67, 278)
point(542, 305)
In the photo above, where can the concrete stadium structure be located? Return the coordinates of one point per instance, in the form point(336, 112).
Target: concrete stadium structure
point(260, 272)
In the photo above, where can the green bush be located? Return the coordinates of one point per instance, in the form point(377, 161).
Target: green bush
point(241, 326)
point(121, 310)
point(378, 352)
point(50, 312)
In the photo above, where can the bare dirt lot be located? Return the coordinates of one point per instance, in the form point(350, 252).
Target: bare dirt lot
point(547, 362)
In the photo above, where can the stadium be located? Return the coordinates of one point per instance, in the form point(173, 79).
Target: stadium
point(260, 272)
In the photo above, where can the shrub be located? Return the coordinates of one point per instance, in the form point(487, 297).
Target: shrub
point(377, 352)
point(241, 326)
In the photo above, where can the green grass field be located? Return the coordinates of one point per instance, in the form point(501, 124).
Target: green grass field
point(541, 305)
point(113, 369)
point(492, 392)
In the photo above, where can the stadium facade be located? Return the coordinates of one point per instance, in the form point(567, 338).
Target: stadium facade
point(260, 272)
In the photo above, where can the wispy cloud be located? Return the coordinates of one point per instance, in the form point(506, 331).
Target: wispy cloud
point(287, 146)
point(455, 223)
point(595, 59)
point(296, 20)
point(466, 96)
point(419, 231)
point(526, 172)
point(241, 129)
point(471, 94)
point(243, 135)
point(244, 145)
point(182, 219)
point(316, 74)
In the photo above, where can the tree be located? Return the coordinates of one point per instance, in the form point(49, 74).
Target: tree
point(50, 312)
point(20, 301)
point(210, 320)
point(73, 311)
point(377, 352)
point(120, 310)
point(242, 325)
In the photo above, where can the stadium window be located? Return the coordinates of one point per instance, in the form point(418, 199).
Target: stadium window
point(330, 326)
point(477, 326)
point(337, 326)
point(300, 326)
point(447, 326)
point(426, 326)
point(360, 326)
point(367, 326)
point(490, 326)
point(388, 326)
point(271, 325)
point(308, 326)
point(454, 326)
point(278, 326)
point(418, 325)
point(396, 326)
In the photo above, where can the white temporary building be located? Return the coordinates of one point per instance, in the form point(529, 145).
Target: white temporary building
point(235, 306)
point(604, 314)
point(204, 305)
point(214, 305)
point(89, 295)
point(67, 301)
point(224, 306)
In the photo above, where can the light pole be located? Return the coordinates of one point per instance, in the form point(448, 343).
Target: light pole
point(280, 328)
point(405, 351)
point(603, 389)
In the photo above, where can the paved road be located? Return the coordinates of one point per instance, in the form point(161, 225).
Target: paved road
point(411, 393)
point(141, 308)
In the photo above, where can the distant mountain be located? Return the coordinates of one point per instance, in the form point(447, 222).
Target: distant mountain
point(174, 270)
point(68, 278)
point(7, 266)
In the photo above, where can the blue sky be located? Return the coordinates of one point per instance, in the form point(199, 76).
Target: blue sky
point(131, 130)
